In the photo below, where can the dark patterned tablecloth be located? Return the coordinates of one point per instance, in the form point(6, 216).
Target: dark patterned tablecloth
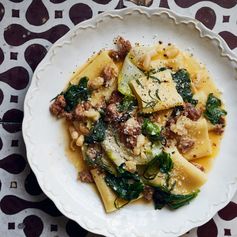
point(27, 30)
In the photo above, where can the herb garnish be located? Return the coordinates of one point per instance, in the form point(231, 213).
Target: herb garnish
point(213, 111)
point(139, 83)
point(128, 104)
point(154, 101)
point(183, 85)
point(162, 196)
point(76, 93)
point(125, 184)
point(161, 163)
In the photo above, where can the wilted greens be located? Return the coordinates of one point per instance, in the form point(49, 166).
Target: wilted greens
point(151, 130)
point(183, 85)
point(97, 133)
point(76, 93)
point(162, 196)
point(162, 162)
point(213, 110)
point(125, 184)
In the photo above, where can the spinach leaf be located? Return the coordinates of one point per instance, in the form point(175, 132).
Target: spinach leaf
point(183, 85)
point(162, 196)
point(161, 162)
point(213, 111)
point(76, 93)
point(125, 184)
point(128, 103)
point(97, 133)
point(151, 130)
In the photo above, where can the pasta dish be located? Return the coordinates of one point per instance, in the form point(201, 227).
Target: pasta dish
point(145, 122)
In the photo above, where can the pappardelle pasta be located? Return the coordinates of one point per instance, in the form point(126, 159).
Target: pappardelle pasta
point(146, 121)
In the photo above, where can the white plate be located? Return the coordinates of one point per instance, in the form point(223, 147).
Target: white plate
point(44, 137)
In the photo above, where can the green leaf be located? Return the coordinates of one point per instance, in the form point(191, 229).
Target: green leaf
point(128, 104)
point(97, 133)
point(76, 93)
point(161, 163)
point(183, 85)
point(126, 185)
point(162, 196)
point(151, 130)
point(165, 162)
point(213, 111)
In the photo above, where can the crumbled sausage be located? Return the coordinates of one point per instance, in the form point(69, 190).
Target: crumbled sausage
point(112, 112)
point(185, 144)
point(95, 83)
point(191, 112)
point(124, 46)
point(130, 127)
point(80, 109)
point(108, 73)
point(148, 193)
point(116, 97)
point(218, 129)
point(85, 176)
point(93, 151)
point(129, 132)
point(57, 108)
point(129, 141)
point(222, 120)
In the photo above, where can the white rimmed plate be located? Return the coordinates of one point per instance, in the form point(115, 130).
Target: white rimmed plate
point(44, 139)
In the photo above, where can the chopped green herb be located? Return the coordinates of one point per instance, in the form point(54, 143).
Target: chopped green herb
point(162, 196)
point(161, 163)
point(183, 85)
point(128, 104)
point(155, 78)
point(151, 130)
point(139, 83)
point(76, 93)
point(126, 185)
point(97, 133)
point(150, 104)
point(213, 111)
point(161, 69)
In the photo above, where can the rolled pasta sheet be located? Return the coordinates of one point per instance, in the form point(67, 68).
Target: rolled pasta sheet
point(94, 68)
point(186, 177)
point(109, 198)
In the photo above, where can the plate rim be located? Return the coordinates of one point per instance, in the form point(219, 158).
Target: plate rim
point(178, 19)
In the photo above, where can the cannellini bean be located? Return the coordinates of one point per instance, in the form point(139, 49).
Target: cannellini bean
point(74, 135)
point(130, 166)
point(143, 155)
point(80, 140)
point(96, 83)
point(83, 129)
point(136, 151)
point(92, 114)
point(73, 132)
point(140, 140)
